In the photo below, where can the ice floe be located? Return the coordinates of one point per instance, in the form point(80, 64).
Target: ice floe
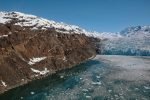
point(32, 92)
point(146, 87)
point(96, 83)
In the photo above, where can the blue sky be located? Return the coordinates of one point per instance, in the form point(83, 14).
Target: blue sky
point(93, 15)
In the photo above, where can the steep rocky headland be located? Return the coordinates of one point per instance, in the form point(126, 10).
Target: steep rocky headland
point(32, 48)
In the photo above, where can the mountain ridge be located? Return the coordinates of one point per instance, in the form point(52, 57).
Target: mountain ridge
point(32, 48)
point(34, 22)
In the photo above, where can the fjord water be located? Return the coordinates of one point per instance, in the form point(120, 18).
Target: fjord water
point(103, 78)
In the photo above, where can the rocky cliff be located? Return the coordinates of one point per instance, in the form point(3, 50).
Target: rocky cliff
point(29, 52)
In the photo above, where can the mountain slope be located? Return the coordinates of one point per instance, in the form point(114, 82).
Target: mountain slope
point(33, 47)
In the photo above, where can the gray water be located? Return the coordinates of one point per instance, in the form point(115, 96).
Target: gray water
point(86, 81)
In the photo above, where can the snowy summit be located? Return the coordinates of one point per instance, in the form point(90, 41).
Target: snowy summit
point(27, 20)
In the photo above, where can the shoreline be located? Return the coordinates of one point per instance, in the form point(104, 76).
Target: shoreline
point(43, 76)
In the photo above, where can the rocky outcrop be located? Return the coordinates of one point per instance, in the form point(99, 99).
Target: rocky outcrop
point(27, 54)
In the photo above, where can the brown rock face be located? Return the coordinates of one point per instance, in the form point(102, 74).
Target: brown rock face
point(20, 46)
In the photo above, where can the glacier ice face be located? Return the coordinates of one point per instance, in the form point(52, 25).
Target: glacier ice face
point(132, 41)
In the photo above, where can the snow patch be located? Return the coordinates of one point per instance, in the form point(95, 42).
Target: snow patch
point(91, 57)
point(45, 71)
point(64, 58)
point(3, 83)
point(2, 18)
point(35, 60)
point(3, 36)
point(10, 33)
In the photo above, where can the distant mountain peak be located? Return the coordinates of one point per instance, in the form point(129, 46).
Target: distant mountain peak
point(135, 29)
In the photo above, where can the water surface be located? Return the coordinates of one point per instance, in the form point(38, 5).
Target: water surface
point(93, 80)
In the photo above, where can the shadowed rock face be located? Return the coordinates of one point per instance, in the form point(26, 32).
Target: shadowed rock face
point(27, 54)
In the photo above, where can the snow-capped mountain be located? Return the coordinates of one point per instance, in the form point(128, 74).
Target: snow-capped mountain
point(132, 41)
point(134, 30)
point(34, 23)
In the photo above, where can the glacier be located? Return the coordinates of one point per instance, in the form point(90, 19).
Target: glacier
point(131, 41)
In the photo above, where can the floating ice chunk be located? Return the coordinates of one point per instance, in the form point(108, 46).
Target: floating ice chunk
point(116, 95)
point(45, 71)
point(32, 92)
point(96, 83)
point(61, 76)
point(21, 98)
point(109, 90)
point(136, 88)
point(146, 87)
point(85, 90)
point(88, 97)
point(35, 60)
point(98, 77)
point(3, 83)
